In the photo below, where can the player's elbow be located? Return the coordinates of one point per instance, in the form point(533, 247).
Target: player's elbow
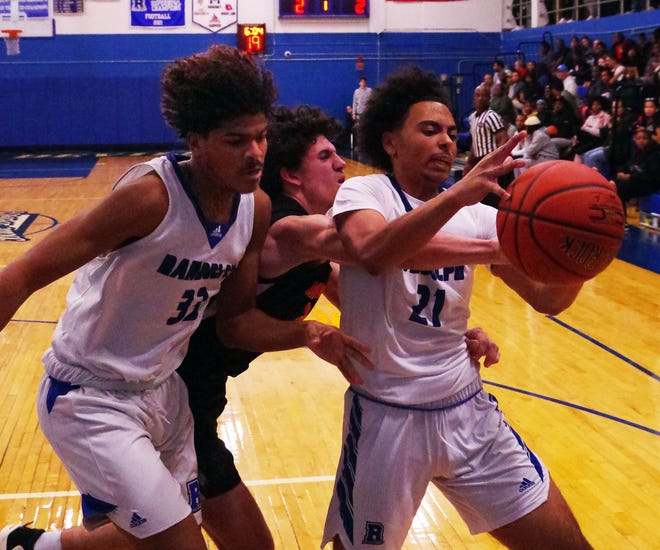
point(554, 302)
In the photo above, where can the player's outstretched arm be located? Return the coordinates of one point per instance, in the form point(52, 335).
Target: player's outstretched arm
point(550, 299)
point(378, 245)
point(240, 324)
point(449, 249)
point(254, 330)
point(126, 214)
point(294, 240)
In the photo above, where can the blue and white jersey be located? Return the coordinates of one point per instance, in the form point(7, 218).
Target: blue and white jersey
point(129, 313)
point(414, 321)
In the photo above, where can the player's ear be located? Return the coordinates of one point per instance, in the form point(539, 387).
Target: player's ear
point(387, 141)
point(289, 176)
point(193, 141)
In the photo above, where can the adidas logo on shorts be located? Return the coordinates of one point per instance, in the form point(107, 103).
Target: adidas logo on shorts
point(525, 484)
point(136, 520)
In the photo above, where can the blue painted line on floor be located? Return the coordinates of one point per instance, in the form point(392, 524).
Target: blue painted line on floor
point(606, 348)
point(575, 406)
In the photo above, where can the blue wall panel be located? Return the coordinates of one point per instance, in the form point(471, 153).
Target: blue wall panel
point(103, 90)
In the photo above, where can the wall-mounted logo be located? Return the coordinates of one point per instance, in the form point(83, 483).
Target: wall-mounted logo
point(16, 226)
point(215, 15)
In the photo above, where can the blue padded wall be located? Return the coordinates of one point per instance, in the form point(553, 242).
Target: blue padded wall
point(103, 90)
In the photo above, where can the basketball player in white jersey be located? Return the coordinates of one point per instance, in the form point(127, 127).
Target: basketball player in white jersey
point(302, 173)
point(148, 259)
point(421, 416)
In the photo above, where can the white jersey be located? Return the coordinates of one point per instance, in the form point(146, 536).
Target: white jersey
point(129, 313)
point(414, 321)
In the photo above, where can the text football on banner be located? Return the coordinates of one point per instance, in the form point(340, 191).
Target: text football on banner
point(215, 15)
point(157, 13)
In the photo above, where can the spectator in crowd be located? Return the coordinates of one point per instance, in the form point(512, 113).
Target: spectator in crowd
point(540, 71)
point(588, 50)
point(521, 67)
point(543, 112)
point(589, 135)
point(531, 89)
point(650, 118)
point(529, 108)
point(563, 126)
point(360, 98)
point(568, 80)
point(601, 86)
point(617, 68)
point(640, 177)
point(557, 90)
point(514, 84)
point(499, 72)
point(487, 82)
point(634, 58)
point(577, 64)
point(651, 76)
point(613, 155)
point(559, 54)
point(599, 49)
point(537, 147)
point(502, 105)
point(617, 50)
point(346, 139)
point(545, 56)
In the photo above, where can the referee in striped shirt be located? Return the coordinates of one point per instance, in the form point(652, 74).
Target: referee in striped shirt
point(488, 131)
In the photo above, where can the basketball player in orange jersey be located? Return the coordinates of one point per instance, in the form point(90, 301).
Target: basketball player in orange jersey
point(302, 173)
point(421, 416)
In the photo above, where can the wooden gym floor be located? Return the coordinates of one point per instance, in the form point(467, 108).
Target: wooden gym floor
point(582, 389)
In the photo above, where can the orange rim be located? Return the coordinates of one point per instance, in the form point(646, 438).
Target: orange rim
point(13, 33)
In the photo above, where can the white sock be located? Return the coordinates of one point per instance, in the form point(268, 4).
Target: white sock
point(50, 540)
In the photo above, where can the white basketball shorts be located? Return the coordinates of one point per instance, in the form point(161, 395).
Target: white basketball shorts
point(130, 453)
point(391, 453)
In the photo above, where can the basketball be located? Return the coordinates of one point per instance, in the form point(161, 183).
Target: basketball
point(563, 222)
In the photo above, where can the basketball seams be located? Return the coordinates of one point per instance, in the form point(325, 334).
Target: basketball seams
point(533, 216)
point(522, 258)
point(533, 241)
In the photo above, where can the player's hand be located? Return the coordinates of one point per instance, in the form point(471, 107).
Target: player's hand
point(482, 178)
point(336, 347)
point(480, 345)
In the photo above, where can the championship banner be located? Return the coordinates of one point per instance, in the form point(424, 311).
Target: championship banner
point(157, 13)
point(24, 9)
point(68, 6)
point(215, 15)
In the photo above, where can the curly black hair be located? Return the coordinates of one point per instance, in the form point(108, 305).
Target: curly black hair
point(291, 132)
point(388, 107)
point(204, 90)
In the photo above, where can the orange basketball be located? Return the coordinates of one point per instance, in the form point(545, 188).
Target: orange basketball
point(563, 223)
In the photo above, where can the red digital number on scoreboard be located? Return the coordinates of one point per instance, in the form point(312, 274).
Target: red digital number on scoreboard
point(251, 38)
point(324, 8)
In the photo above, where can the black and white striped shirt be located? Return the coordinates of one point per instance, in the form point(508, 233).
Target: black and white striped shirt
point(483, 128)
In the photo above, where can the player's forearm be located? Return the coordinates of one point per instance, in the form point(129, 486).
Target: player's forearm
point(446, 249)
point(407, 235)
point(13, 292)
point(256, 331)
point(550, 299)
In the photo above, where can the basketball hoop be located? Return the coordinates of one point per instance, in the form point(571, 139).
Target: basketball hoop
point(12, 41)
